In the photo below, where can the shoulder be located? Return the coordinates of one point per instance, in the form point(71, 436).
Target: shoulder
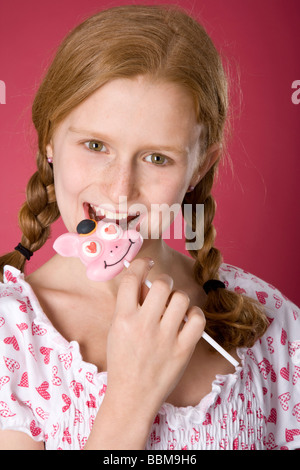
point(272, 365)
point(15, 305)
point(19, 307)
point(34, 359)
point(21, 314)
point(281, 342)
point(275, 303)
point(24, 328)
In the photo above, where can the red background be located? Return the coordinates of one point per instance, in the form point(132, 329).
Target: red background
point(257, 217)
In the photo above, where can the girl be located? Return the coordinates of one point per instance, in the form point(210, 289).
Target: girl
point(134, 107)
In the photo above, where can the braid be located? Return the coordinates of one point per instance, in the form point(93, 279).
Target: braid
point(208, 259)
point(36, 215)
point(232, 319)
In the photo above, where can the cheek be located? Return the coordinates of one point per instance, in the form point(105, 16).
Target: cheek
point(169, 191)
point(164, 207)
point(68, 181)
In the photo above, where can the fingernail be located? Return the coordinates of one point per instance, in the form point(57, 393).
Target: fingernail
point(150, 262)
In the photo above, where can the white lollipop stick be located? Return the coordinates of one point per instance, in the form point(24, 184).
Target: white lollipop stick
point(205, 336)
point(219, 348)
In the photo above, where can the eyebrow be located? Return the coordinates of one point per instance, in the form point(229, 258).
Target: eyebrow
point(87, 132)
point(166, 148)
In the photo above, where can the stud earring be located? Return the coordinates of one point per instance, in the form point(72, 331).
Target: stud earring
point(50, 159)
point(190, 189)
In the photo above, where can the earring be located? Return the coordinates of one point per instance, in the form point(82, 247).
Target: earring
point(190, 189)
point(50, 159)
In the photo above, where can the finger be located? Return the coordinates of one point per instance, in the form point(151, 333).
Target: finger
point(176, 311)
point(130, 286)
point(193, 327)
point(155, 303)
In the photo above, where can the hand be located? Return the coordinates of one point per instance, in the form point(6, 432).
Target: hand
point(149, 345)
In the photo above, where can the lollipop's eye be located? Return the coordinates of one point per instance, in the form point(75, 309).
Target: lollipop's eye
point(91, 248)
point(86, 227)
point(110, 231)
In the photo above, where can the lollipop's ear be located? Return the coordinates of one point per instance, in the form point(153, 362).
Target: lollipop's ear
point(67, 245)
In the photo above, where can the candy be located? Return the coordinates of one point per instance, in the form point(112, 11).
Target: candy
point(102, 246)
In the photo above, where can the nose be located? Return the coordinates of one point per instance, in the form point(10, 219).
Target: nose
point(122, 181)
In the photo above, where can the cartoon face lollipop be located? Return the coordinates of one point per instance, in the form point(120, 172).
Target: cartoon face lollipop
point(101, 246)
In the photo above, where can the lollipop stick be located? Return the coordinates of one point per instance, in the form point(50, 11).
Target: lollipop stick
point(205, 336)
point(219, 348)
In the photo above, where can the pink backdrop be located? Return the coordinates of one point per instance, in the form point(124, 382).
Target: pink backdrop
point(258, 215)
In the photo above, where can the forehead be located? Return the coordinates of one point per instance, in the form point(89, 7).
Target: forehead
point(122, 106)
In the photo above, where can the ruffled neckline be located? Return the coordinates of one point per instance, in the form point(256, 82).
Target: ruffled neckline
point(176, 416)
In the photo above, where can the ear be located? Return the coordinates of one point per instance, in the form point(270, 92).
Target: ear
point(210, 158)
point(67, 245)
point(49, 150)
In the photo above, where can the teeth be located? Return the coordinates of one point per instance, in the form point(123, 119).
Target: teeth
point(99, 211)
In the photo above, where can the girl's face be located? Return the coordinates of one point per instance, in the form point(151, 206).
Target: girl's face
point(133, 144)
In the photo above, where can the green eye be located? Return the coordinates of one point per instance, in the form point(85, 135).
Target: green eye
point(156, 159)
point(96, 146)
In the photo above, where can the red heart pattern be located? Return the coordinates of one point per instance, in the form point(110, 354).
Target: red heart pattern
point(41, 413)
point(22, 326)
point(46, 352)
point(24, 380)
point(92, 402)
point(91, 248)
point(296, 375)
point(285, 372)
point(55, 379)
point(111, 229)
point(34, 429)
point(11, 364)
point(77, 387)
point(44, 377)
point(262, 296)
point(290, 433)
point(284, 399)
point(207, 421)
point(10, 277)
point(283, 337)
point(43, 390)
point(66, 359)
point(12, 340)
point(296, 412)
point(38, 330)
point(5, 411)
point(4, 380)
point(293, 347)
point(68, 402)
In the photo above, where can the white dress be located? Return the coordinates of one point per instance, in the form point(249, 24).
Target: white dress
point(50, 393)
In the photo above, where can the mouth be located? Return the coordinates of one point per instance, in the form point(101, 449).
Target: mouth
point(117, 262)
point(124, 219)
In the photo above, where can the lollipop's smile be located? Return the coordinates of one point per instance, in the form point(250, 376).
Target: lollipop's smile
point(108, 265)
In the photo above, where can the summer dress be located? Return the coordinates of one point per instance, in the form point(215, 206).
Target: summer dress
point(50, 393)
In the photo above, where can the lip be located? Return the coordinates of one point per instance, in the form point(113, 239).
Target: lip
point(104, 213)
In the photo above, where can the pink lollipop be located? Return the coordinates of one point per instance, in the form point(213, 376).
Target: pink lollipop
point(102, 246)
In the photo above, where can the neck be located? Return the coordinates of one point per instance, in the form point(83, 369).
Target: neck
point(72, 271)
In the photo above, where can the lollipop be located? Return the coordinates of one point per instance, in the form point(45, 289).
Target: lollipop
point(105, 248)
point(101, 246)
